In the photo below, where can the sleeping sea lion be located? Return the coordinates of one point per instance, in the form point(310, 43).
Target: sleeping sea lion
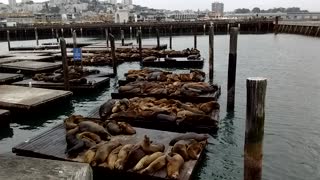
point(149, 148)
point(112, 158)
point(195, 136)
point(150, 58)
point(94, 128)
point(88, 156)
point(181, 148)
point(73, 121)
point(135, 155)
point(89, 135)
point(127, 129)
point(123, 156)
point(103, 152)
point(75, 145)
point(209, 106)
point(175, 163)
point(156, 165)
point(105, 109)
point(113, 127)
point(145, 161)
point(195, 148)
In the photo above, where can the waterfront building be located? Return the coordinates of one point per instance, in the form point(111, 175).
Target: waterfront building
point(218, 9)
point(121, 16)
point(12, 3)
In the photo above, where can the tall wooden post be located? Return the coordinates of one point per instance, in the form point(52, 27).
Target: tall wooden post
point(8, 39)
point(170, 38)
point(122, 37)
point(137, 32)
point(57, 35)
point(140, 44)
point(107, 36)
point(158, 39)
point(81, 32)
point(52, 33)
point(62, 32)
point(204, 29)
point(113, 54)
point(130, 32)
point(65, 63)
point(36, 35)
point(276, 25)
point(211, 53)
point(232, 68)
point(253, 148)
point(74, 37)
point(195, 38)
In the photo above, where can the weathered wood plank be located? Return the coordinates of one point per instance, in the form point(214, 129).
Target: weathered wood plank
point(6, 78)
point(30, 66)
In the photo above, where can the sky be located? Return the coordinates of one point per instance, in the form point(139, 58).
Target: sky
point(230, 5)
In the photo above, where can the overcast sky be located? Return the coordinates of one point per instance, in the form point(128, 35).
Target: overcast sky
point(230, 5)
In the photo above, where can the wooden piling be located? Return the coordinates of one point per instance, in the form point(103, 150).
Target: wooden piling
point(316, 34)
point(140, 44)
point(170, 38)
point(65, 63)
point(310, 31)
point(36, 35)
point(130, 32)
point(52, 33)
point(107, 36)
point(74, 37)
point(306, 31)
point(122, 37)
point(195, 38)
point(8, 39)
point(57, 35)
point(81, 32)
point(232, 68)
point(158, 39)
point(211, 53)
point(253, 148)
point(62, 32)
point(113, 53)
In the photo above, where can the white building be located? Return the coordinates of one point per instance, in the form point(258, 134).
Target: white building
point(127, 2)
point(111, 1)
point(36, 7)
point(218, 8)
point(12, 3)
point(21, 20)
point(121, 16)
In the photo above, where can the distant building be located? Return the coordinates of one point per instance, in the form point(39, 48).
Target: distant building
point(218, 9)
point(19, 19)
point(184, 16)
point(127, 2)
point(111, 1)
point(12, 3)
point(121, 16)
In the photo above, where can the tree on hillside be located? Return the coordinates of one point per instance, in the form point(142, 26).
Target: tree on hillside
point(242, 11)
point(256, 10)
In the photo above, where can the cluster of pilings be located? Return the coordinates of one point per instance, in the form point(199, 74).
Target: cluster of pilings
point(308, 30)
point(98, 30)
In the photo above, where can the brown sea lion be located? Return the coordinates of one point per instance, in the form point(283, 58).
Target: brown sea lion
point(146, 160)
point(209, 106)
point(73, 121)
point(156, 165)
point(113, 127)
point(112, 158)
point(127, 129)
point(194, 148)
point(74, 144)
point(105, 109)
point(174, 165)
point(89, 135)
point(150, 58)
point(181, 149)
point(195, 136)
point(123, 156)
point(103, 152)
point(149, 148)
point(94, 128)
point(88, 157)
point(135, 155)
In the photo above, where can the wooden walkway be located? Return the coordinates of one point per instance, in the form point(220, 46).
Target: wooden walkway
point(30, 67)
point(25, 99)
point(52, 145)
point(176, 63)
point(307, 28)
point(6, 78)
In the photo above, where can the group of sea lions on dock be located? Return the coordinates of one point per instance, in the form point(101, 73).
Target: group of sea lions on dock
point(147, 74)
point(129, 55)
point(188, 89)
point(168, 110)
point(76, 76)
point(90, 141)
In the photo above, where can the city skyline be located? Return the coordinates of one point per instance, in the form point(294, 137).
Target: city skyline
point(230, 5)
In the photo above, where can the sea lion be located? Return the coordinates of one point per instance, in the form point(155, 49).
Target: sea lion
point(209, 106)
point(105, 109)
point(194, 148)
point(195, 136)
point(146, 160)
point(156, 165)
point(174, 165)
point(150, 58)
point(88, 157)
point(149, 148)
point(113, 127)
point(112, 158)
point(127, 129)
point(103, 152)
point(75, 145)
point(73, 121)
point(135, 155)
point(90, 136)
point(94, 128)
point(193, 57)
point(123, 156)
point(181, 148)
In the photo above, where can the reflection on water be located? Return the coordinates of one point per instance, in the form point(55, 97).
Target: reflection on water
point(291, 141)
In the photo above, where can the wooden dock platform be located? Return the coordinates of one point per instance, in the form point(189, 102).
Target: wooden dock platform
point(176, 63)
point(4, 118)
point(6, 78)
point(30, 67)
point(97, 83)
point(26, 168)
point(29, 57)
point(27, 48)
point(26, 99)
point(52, 145)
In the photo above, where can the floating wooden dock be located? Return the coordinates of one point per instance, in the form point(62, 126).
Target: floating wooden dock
point(28, 57)
point(96, 83)
point(4, 118)
point(26, 99)
point(176, 63)
point(6, 78)
point(52, 145)
point(17, 167)
point(30, 67)
point(27, 48)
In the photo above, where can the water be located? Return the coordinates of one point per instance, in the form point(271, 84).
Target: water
point(291, 143)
